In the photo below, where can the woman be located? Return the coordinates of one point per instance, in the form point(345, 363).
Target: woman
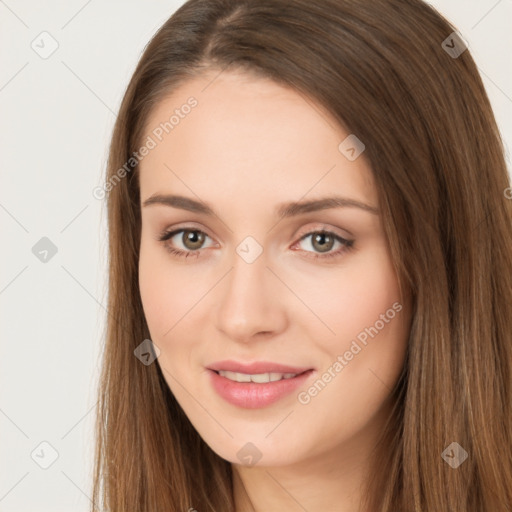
point(310, 267)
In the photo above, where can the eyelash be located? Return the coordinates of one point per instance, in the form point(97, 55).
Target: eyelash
point(348, 245)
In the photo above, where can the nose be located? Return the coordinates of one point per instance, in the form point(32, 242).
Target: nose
point(250, 301)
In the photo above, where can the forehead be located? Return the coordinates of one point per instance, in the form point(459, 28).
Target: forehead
point(251, 138)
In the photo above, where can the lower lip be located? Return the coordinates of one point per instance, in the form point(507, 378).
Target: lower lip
point(251, 395)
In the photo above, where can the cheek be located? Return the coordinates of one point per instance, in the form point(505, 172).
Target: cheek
point(367, 299)
point(371, 325)
point(352, 297)
point(364, 358)
point(171, 296)
point(157, 283)
point(361, 304)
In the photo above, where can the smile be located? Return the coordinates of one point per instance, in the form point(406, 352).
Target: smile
point(254, 391)
point(259, 378)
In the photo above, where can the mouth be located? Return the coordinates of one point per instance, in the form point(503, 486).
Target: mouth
point(257, 368)
point(257, 390)
point(258, 378)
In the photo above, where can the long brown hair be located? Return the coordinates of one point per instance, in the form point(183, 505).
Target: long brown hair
point(387, 71)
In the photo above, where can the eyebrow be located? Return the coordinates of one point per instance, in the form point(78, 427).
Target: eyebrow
point(284, 210)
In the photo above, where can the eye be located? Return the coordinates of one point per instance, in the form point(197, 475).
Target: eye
point(323, 241)
point(191, 240)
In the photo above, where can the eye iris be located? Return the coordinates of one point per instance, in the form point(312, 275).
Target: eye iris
point(195, 238)
point(320, 237)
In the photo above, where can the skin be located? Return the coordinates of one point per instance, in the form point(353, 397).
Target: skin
point(249, 145)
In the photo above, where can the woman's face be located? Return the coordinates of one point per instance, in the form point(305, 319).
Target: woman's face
point(254, 286)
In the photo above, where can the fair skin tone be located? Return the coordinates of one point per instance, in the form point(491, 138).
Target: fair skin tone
point(248, 146)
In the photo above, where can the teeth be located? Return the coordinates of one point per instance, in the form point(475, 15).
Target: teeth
point(259, 378)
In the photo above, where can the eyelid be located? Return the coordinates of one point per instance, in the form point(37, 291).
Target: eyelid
point(347, 243)
point(167, 234)
point(187, 227)
point(300, 235)
point(305, 231)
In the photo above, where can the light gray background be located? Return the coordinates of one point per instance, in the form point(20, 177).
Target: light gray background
point(56, 118)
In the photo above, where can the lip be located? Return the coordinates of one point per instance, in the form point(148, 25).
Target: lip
point(256, 367)
point(253, 395)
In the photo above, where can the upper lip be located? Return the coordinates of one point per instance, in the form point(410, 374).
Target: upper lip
point(256, 367)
